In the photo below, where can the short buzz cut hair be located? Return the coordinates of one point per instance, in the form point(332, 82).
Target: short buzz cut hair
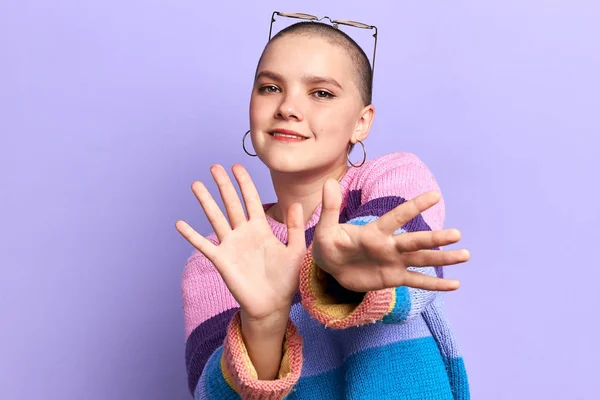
point(362, 65)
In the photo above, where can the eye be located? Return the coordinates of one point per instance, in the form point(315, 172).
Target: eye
point(268, 89)
point(323, 94)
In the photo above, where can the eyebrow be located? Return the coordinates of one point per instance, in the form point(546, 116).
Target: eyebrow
point(321, 79)
point(307, 79)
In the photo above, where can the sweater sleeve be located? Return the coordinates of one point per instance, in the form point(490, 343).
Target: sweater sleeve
point(217, 361)
point(384, 184)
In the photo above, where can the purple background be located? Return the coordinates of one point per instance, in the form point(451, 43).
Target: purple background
point(110, 109)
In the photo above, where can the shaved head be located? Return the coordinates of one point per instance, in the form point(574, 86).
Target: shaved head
point(363, 72)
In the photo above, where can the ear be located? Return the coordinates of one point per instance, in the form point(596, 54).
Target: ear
point(363, 125)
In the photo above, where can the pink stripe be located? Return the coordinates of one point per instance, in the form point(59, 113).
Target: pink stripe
point(203, 290)
point(405, 175)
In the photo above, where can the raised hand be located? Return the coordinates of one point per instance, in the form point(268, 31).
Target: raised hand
point(259, 270)
point(371, 257)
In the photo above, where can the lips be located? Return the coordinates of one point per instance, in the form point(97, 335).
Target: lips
point(287, 133)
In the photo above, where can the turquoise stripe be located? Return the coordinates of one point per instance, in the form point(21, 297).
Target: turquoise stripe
point(362, 220)
point(412, 369)
point(215, 386)
point(401, 307)
point(329, 385)
point(458, 377)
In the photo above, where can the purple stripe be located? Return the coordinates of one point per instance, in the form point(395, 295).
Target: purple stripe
point(352, 204)
point(326, 349)
point(205, 339)
point(378, 207)
point(382, 205)
point(309, 235)
point(375, 207)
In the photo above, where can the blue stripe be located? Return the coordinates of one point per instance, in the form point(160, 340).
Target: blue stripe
point(213, 382)
point(412, 369)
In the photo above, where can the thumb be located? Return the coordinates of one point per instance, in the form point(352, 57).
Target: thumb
point(332, 202)
point(295, 227)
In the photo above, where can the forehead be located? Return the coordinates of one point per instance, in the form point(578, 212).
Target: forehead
point(298, 55)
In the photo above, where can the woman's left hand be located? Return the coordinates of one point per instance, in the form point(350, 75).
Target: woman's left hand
point(371, 257)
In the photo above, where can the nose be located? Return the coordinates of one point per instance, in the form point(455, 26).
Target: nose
point(289, 109)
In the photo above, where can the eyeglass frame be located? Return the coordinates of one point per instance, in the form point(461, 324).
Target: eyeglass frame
point(335, 23)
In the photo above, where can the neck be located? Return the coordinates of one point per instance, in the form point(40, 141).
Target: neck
point(305, 189)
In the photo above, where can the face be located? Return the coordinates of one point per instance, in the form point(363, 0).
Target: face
point(305, 107)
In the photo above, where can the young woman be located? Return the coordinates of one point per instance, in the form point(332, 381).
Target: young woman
point(333, 291)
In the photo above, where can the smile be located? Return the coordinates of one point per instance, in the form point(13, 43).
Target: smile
point(284, 134)
point(287, 136)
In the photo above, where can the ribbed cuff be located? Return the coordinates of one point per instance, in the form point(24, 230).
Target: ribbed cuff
point(330, 311)
point(241, 375)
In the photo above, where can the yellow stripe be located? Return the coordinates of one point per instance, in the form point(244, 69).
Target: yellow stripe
point(285, 368)
point(324, 302)
point(246, 357)
point(226, 375)
point(237, 343)
point(393, 302)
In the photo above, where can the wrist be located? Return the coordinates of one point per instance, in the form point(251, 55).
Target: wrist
point(272, 326)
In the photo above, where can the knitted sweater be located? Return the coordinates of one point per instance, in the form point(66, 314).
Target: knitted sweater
point(387, 344)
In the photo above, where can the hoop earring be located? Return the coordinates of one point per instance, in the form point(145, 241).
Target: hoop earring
point(364, 156)
point(244, 144)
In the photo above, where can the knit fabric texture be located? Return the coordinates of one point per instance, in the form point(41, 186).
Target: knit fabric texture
point(388, 344)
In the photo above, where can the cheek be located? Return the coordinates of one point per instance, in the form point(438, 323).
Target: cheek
point(258, 109)
point(334, 124)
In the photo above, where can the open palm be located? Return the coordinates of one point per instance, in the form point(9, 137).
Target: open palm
point(371, 257)
point(260, 271)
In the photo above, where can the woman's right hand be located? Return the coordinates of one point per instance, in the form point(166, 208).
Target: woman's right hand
point(260, 271)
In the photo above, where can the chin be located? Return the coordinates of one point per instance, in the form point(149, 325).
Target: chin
point(285, 163)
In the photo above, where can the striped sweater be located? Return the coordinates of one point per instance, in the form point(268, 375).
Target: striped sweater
point(387, 344)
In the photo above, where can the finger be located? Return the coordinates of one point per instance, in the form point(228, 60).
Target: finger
point(397, 217)
point(414, 241)
point(203, 245)
point(332, 202)
point(418, 280)
point(436, 258)
point(295, 226)
point(231, 200)
point(212, 210)
point(254, 206)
